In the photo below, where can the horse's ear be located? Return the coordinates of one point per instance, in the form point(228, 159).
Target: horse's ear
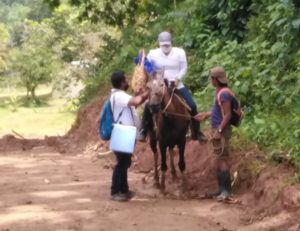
point(151, 76)
point(148, 85)
point(160, 74)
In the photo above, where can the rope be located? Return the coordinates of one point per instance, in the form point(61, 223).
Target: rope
point(183, 103)
point(178, 114)
point(170, 100)
point(174, 113)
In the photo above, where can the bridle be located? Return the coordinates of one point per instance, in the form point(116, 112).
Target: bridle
point(164, 111)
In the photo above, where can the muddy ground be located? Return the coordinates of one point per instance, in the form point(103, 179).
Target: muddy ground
point(63, 183)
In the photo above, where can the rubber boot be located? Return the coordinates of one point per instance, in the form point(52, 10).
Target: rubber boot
point(220, 187)
point(225, 182)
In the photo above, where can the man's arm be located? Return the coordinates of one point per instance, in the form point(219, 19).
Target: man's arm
point(202, 116)
point(226, 117)
point(138, 100)
point(183, 65)
point(227, 114)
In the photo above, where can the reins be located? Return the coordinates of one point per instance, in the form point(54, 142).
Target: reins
point(164, 111)
point(178, 114)
point(170, 100)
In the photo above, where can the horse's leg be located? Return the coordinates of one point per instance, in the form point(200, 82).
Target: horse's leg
point(153, 146)
point(156, 176)
point(172, 153)
point(181, 162)
point(164, 167)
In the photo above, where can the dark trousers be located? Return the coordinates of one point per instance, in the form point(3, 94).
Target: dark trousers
point(184, 92)
point(195, 124)
point(119, 177)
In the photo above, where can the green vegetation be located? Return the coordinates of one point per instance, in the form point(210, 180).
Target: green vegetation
point(256, 41)
point(34, 60)
point(50, 117)
point(36, 45)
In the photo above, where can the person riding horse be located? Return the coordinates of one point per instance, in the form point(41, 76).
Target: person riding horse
point(172, 62)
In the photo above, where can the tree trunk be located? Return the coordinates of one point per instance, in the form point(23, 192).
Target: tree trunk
point(27, 90)
point(32, 91)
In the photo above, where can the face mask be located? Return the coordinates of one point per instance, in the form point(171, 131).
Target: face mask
point(166, 49)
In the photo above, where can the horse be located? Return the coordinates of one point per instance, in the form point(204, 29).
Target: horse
point(171, 118)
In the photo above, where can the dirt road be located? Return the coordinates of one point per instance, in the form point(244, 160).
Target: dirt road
point(42, 190)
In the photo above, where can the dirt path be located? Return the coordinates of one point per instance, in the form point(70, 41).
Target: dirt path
point(41, 190)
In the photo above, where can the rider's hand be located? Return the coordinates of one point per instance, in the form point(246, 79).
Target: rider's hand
point(176, 82)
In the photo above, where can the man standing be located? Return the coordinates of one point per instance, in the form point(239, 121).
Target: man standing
point(221, 130)
point(173, 63)
point(123, 108)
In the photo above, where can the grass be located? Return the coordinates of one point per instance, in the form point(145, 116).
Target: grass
point(51, 117)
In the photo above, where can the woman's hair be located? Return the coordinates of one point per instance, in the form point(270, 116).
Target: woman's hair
point(117, 78)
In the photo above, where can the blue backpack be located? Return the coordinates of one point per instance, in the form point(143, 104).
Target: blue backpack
point(107, 120)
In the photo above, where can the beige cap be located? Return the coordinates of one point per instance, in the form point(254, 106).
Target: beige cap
point(219, 73)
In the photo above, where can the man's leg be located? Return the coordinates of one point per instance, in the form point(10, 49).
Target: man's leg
point(224, 179)
point(117, 179)
point(220, 147)
point(224, 166)
point(195, 124)
point(126, 162)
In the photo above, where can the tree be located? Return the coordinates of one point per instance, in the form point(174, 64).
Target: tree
point(67, 37)
point(120, 13)
point(3, 48)
point(35, 60)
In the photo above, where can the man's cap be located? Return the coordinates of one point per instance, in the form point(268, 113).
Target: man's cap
point(165, 38)
point(219, 73)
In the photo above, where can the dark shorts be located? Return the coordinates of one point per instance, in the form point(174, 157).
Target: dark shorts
point(220, 147)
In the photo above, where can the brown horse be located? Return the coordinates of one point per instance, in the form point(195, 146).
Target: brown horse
point(171, 119)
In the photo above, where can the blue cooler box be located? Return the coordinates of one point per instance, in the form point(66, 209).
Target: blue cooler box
point(123, 138)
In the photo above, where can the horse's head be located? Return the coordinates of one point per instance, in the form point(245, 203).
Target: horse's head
point(157, 88)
